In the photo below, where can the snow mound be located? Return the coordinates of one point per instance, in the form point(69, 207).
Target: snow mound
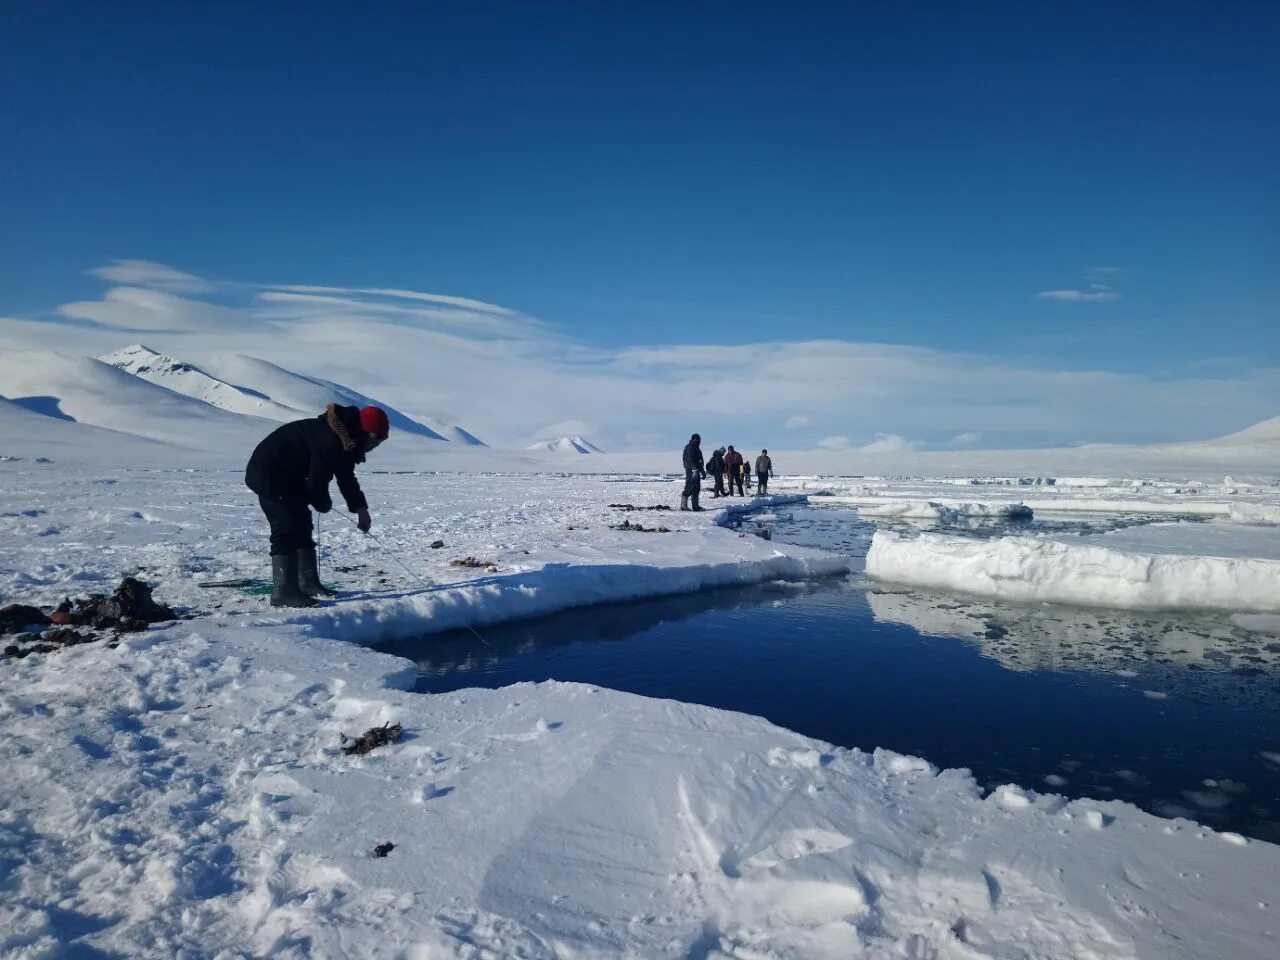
point(573, 444)
point(1035, 569)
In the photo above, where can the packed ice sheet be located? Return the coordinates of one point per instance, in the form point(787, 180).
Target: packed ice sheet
point(1053, 571)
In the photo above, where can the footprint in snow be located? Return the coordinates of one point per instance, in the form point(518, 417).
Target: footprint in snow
point(539, 729)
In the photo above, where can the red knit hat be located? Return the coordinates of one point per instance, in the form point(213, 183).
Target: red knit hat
point(374, 420)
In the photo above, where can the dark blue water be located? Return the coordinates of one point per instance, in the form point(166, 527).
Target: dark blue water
point(1177, 715)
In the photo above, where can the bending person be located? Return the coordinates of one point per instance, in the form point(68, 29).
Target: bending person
point(290, 472)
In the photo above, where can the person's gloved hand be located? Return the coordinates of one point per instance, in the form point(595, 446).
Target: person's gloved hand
point(364, 521)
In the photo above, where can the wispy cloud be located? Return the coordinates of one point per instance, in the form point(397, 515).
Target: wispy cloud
point(155, 276)
point(1098, 288)
point(966, 438)
point(138, 309)
point(889, 443)
point(1092, 295)
point(797, 422)
point(465, 303)
point(835, 443)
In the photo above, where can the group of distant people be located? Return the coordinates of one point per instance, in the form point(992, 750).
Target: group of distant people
point(726, 464)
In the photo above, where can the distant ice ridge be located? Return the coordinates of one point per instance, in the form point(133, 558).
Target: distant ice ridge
point(1035, 569)
point(932, 510)
point(574, 444)
point(1258, 514)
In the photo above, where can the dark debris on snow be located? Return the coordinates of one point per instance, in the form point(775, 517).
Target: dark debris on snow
point(371, 739)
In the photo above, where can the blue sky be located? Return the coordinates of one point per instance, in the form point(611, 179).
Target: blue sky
point(911, 174)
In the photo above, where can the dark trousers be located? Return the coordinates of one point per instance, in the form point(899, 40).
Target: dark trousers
point(738, 482)
point(290, 521)
point(762, 479)
point(719, 491)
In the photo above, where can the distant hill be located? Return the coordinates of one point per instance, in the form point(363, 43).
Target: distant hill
point(566, 445)
point(88, 391)
point(254, 387)
point(1266, 431)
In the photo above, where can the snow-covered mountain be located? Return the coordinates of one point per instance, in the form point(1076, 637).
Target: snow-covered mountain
point(247, 385)
point(191, 381)
point(451, 431)
point(566, 445)
point(1265, 432)
point(88, 391)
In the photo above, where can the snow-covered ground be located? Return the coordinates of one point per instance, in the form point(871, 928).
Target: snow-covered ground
point(182, 793)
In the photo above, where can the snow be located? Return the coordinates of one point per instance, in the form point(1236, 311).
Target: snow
point(1256, 513)
point(933, 510)
point(1045, 570)
point(183, 794)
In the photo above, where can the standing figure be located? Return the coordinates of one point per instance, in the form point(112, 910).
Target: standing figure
point(290, 472)
point(694, 473)
point(733, 467)
point(715, 467)
point(764, 470)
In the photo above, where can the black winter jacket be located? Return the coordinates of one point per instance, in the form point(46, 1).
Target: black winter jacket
point(715, 466)
point(693, 461)
point(297, 460)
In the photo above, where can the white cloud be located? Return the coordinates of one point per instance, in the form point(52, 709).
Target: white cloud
point(141, 309)
point(564, 428)
point(835, 443)
point(156, 276)
point(477, 305)
point(1098, 292)
point(796, 422)
point(889, 443)
point(506, 376)
point(967, 437)
point(1079, 296)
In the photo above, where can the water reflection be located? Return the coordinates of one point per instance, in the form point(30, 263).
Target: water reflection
point(459, 652)
point(1054, 637)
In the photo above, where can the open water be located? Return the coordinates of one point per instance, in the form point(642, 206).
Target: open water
point(1177, 714)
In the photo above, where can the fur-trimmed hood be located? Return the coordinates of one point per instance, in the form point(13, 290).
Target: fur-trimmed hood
point(333, 416)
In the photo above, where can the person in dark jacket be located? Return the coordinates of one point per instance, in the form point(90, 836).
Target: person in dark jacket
point(715, 467)
point(764, 469)
point(733, 464)
point(290, 472)
point(694, 473)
